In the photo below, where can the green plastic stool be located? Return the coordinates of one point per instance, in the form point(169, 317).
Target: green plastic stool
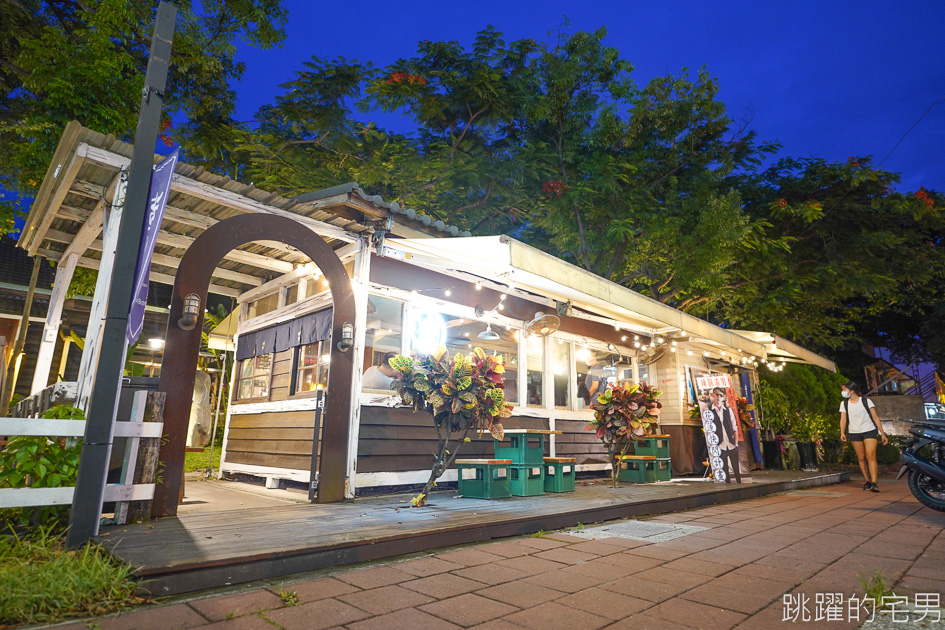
point(661, 470)
point(652, 445)
point(636, 468)
point(521, 448)
point(527, 481)
point(483, 478)
point(559, 474)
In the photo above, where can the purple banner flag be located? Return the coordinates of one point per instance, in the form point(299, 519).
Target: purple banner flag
point(157, 199)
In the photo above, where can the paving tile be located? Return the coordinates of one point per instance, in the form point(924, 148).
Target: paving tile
point(650, 591)
point(553, 616)
point(684, 611)
point(380, 601)
point(469, 557)
point(770, 618)
point(863, 563)
point(510, 549)
point(407, 619)
point(491, 574)
point(246, 622)
point(927, 573)
point(531, 564)
point(802, 567)
point(164, 617)
point(422, 567)
point(785, 575)
point(524, 595)
point(659, 552)
point(897, 550)
point(468, 609)
point(314, 590)
point(496, 624)
point(804, 550)
point(646, 622)
point(542, 543)
point(565, 581)
point(319, 615)
point(922, 585)
point(671, 576)
point(218, 608)
point(565, 538)
point(599, 547)
point(742, 601)
point(627, 563)
point(699, 567)
point(565, 555)
point(616, 541)
point(443, 585)
point(608, 604)
point(373, 578)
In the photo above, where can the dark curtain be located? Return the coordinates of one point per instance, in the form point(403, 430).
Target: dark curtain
point(298, 332)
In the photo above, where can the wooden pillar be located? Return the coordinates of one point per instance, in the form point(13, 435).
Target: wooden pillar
point(13, 370)
point(111, 220)
point(47, 346)
point(362, 270)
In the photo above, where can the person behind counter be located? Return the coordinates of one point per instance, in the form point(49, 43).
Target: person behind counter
point(380, 376)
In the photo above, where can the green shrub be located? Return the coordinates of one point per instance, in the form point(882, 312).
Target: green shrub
point(41, 462)
point(41, 582)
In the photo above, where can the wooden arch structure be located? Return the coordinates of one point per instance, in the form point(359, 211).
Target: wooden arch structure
point(182, 347)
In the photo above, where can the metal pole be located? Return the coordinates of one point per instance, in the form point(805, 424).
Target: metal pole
point(10, 383)
point(103, 404)
point(216, 418)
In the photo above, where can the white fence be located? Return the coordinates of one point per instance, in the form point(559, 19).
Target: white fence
point(121, 493)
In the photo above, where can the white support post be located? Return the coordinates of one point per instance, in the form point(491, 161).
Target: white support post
point(47, 346)
point(359, 283)
point(131, 455)
point(112, 220)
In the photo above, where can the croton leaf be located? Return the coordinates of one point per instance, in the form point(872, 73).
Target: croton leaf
point(497, 430)
point(464, 382)
point(402, 364)
point(457, 405)
point(435, 399)
point(479, 354)
point(448, 388)
point(440, 352)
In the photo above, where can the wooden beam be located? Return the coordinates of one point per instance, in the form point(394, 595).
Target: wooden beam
point(219, 272)
point(163, 278)
point(223, 197)
point(65, 177)
point(183, 242)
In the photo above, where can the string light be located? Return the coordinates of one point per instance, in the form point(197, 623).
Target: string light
point(478, 286)
point(503, 296)
point(674, 343)
point(689, 352)
point(636, 344)
point(624, 338)
point(636, 337)
point(659, 340)
point(447, 293)
point(706, 353)
point(616, 326)
point(672, 348)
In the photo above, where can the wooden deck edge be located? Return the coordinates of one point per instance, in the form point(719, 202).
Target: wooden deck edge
point(164, 581)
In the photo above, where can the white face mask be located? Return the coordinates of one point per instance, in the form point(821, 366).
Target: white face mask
point(845, 394)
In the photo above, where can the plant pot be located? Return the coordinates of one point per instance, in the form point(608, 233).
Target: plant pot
point(808, 454)
point(772, 455)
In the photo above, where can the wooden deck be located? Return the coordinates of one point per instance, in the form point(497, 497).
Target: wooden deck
point(199, 551)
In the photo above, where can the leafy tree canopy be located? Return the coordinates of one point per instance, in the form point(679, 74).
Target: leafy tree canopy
point(85, 60)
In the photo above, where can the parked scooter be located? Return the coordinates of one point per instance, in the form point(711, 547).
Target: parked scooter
point(926, 471)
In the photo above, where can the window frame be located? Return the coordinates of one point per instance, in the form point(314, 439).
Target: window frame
point(295, 380)
point(240, 378)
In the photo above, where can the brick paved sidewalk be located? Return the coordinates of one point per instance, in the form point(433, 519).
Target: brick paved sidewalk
point(733, 574)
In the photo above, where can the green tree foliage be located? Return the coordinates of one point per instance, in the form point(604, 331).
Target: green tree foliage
point(85, 60)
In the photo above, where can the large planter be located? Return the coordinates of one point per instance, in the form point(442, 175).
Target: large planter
point(771, 451)
point(808, 454)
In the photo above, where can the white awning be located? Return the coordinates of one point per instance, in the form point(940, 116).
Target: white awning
point(221, 337)
point(504, 258)
point(780, 349)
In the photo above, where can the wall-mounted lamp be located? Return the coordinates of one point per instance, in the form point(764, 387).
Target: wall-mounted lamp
point(191, 312)
point(347, 337)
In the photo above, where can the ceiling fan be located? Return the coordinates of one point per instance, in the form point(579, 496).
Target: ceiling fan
point(542, 325)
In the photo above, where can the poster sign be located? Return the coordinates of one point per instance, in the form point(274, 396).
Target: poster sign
point(718, 410)
point(157, 199)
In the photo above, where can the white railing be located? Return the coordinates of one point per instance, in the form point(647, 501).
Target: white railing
point(120, 493)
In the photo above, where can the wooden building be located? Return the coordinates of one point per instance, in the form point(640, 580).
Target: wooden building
point(417, 282)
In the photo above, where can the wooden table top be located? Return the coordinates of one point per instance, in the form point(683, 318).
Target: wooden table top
point(532, 431)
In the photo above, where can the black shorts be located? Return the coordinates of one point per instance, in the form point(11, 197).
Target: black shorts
point(866, 435)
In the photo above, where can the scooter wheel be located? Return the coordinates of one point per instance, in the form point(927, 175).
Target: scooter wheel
point(929, 492)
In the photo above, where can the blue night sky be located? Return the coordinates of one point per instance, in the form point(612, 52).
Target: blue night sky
point(827, 79)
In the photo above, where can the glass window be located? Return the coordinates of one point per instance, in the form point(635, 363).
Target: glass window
point(595, 371)
point(312, 370)
point(459, 334)
point(534, 385)
point(385, 323)
point(254, 377)
point(263, 305)
point(561, 372)
point(292, 294)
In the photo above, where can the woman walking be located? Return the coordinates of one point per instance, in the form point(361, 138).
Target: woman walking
point(858, 414)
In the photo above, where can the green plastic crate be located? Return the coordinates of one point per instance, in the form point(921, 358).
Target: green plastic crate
point(661, 470)
point(521, 448)
point(527, 481)
point(636, 470)
point(653, 446)
point(559, 475)
point(483, 479)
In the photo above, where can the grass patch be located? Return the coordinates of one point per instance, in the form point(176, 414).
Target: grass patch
point(876, 588)
point(198, 461)
point(41, 582)
point(289, 598)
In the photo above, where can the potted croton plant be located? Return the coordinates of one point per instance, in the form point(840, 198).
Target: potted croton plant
point(463, 394)
point(622, 413)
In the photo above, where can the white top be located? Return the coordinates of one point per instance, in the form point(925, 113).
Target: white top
point(375, 379)
point(858, 420)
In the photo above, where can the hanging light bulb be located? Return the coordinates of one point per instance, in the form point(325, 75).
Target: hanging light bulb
point(636, 337)
point(659, 340)
point(503, 296)
point(674, 343)
point(447, 293)
point(672, 348)
point(478, 286)
point(706, 353)
point(624, 338)
point(636, 344)
point(689, 352)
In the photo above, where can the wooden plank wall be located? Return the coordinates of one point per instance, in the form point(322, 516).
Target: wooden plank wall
point(397, 439)
point(281, 439)
point(671, 380)
point(576, 441)
point(281, 375)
